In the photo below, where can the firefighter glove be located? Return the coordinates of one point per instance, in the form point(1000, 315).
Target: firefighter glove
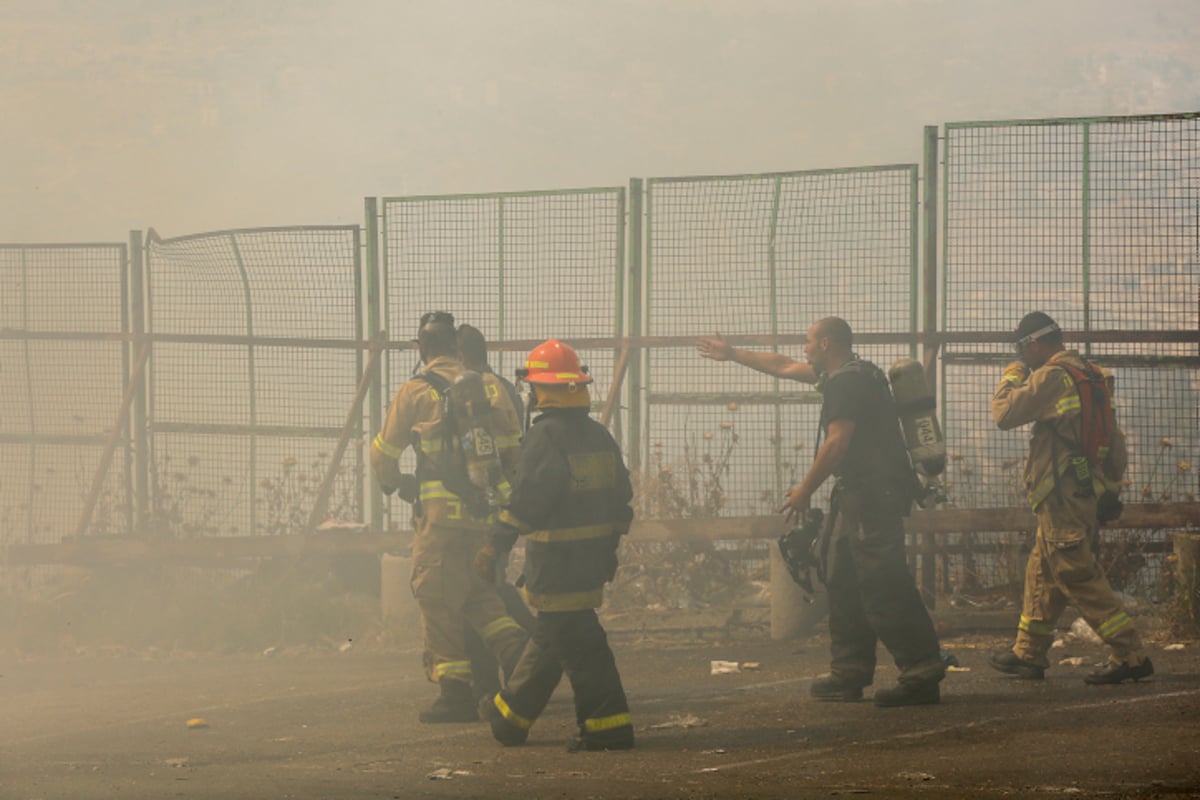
point(407, 488)
point(1016, 373)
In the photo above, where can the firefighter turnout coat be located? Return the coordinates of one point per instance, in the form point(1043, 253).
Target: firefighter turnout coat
point(570, 500)
point(1049, 399)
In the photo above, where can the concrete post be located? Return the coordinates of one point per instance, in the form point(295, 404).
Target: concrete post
point(792, 616)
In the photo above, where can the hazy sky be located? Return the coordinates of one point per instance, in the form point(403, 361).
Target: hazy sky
point(195, 115)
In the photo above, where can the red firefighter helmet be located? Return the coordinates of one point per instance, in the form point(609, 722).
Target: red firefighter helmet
point(553, 363)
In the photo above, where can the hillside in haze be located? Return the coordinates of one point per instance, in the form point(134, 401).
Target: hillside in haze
point(191, 116)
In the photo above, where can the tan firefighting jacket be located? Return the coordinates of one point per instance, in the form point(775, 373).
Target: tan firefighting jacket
point(1048, 398)
point(415, 419)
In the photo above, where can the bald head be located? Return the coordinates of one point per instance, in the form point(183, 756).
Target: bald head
point(837, 331)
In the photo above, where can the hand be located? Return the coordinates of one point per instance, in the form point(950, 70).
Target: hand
point(714, 347)
point(795, 504)
point(485, 563)
point(1016, 373)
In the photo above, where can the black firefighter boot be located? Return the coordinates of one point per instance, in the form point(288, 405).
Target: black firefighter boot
point(456, 703)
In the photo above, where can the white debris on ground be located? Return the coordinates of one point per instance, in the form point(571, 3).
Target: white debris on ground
point(445, 774)
point(683, 721)
point(1084, 633)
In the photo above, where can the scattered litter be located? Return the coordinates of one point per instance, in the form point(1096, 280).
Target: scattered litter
point(680, 721)
point(346, 646)
point(1173, 647)
point(1058, 644)
point(1074, 661)
point(716, 752)
point(342, 526)
point(1082, 631)
point(958, 669)
point(445, 774)
point(722, 667)
point(197, 722)
point(710, 769)
point(751, 665)
point(914, 776)
point(182, 761)
point(949, 659)
point(270, 651)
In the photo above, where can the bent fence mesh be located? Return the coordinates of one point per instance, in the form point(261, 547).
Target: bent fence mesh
point(242, 431)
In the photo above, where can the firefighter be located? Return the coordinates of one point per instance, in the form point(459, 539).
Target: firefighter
point(1062, 489)
point(472, 349)
point(447, 534)
point(570, 501)
point(872, 596)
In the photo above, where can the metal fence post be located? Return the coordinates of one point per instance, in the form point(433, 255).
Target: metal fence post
point(634, 444)
point(929, 327)
point(375, 401)
point(137, 429)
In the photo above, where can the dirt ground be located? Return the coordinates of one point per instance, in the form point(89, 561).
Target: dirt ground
point(341, 723)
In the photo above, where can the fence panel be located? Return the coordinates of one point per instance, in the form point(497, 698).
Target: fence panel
point(759, 254)
point(63, 383)
point(255, 363)
point(518, 266)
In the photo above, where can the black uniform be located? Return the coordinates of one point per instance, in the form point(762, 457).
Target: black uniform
point(872, 596)
point(570, 500)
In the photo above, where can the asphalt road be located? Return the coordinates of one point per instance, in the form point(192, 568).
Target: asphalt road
point(319, 724)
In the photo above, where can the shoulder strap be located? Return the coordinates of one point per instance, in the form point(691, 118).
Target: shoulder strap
point(439, 383)
point(441, 387)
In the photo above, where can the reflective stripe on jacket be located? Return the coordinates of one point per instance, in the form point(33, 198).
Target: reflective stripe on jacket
point(570, 499)
point(414, 419)
point(1049, 399)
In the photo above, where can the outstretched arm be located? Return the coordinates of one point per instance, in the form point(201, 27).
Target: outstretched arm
point(718, 348)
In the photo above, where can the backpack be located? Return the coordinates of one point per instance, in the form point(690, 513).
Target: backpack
point(455, 472)
point(1097, 423)
point(1095, 407)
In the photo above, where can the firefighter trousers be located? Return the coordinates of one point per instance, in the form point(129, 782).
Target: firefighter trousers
point(484, 668)
point(1061, 570)
point(575, 643)
point(451, 597)
point(873, 598)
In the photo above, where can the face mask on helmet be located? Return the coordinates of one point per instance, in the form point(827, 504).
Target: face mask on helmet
point(1025, 341)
